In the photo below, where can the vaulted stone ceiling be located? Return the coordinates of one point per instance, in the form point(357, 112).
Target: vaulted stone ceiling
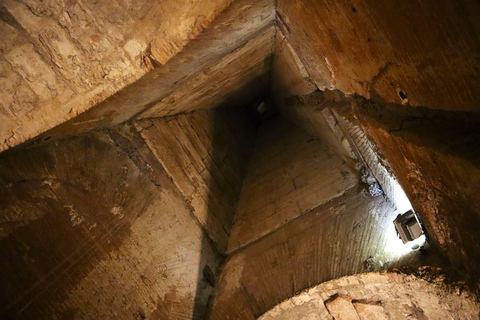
point(131, 142)
point(115, 57)
point(232, 56)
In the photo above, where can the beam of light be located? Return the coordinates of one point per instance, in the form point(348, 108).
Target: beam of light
point(397, 248)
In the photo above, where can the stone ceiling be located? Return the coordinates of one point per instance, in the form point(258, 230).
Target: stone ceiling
point(229, 59)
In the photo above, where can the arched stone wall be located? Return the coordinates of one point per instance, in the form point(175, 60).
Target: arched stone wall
point(377, 296)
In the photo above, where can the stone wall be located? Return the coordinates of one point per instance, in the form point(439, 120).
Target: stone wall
point(289, 174)
point(377, 296)
point(430, 154)
point(60, 58)
point(435, 156)
point(304, 217)
point(93, 227)
point(421, 52)
point(205, 153)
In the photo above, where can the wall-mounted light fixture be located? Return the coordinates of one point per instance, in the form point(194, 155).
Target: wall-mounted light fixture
point(408, 226)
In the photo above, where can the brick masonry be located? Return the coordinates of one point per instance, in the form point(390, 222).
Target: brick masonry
point(377, 296)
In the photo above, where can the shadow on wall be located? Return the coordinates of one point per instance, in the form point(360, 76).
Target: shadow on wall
point(225, 166)
point(93, 227)
point(207, 274)
point(64, 207)
point(205, 154)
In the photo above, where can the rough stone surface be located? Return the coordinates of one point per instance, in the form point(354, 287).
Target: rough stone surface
point(342, 230)
point(60, 59)
point(278, 188)
point(108, 225)
point(299, 100)
point(421, 52)
point(341, 308)
point(223, 83)
point(377, 297)
point(329, 116)
point(432, 153)
point(289, 75)
point(206, 159)
point(92, 227)
point(372, 311)
point(435, 157)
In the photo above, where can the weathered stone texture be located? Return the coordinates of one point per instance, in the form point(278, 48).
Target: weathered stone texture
point(280, 249)
point(299, 100)
point(279, 187)
point(435, 156)
point(126, 224)
point(236, 26)
point(184, 21)
point(89, 230)
point(65, 57)
point(223, 83)
point(329, 116)
point(289, 75)
point(341, 309)
point(370, 311)
point(432, 153)
point(377, 297)
point(205, 153)
point(425, 52)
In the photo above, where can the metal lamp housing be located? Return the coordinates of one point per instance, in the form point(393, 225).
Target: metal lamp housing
point(408, 226)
